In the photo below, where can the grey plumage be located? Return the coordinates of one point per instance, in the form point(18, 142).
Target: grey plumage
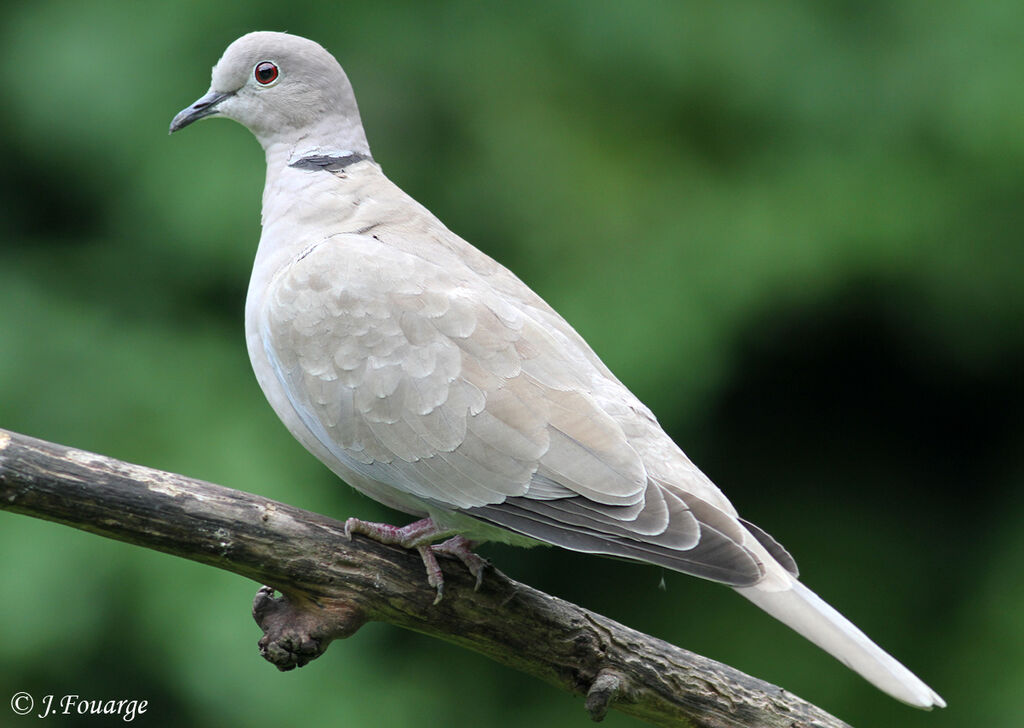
point(431, 378)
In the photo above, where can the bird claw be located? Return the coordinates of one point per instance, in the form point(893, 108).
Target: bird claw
point(462, 548)
point(418, 535)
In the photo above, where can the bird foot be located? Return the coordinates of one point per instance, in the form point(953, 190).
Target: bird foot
point(462, 548)
point(419, 535)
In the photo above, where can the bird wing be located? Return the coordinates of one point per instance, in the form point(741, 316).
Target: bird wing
point(429, 379)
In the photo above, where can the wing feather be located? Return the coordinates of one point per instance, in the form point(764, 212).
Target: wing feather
point(436, 383)
point(715, 556)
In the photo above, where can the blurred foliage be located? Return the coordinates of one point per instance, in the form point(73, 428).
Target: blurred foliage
point(794, 229)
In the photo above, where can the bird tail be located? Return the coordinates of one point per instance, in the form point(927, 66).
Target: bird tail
point(804, 611)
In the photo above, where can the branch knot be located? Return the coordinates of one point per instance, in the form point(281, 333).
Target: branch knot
point(297, 630)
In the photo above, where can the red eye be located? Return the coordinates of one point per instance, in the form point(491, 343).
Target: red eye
point(265, 72)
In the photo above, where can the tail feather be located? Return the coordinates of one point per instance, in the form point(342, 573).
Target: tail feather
point(804, 611)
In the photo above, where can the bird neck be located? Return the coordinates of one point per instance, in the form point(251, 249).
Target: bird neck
point(330, 134)
point(339, 143)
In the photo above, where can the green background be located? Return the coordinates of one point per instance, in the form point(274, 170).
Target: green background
point(794, 229)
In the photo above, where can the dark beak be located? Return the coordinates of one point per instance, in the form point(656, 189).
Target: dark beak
point(206, 106)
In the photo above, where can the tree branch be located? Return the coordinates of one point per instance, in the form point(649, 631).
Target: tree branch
point(331, 586)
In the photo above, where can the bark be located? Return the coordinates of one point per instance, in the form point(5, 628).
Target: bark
point(321, 586)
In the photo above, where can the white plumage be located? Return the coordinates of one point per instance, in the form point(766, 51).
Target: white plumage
point(432, 379)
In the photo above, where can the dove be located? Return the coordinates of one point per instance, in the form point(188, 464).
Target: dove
point(429, 377)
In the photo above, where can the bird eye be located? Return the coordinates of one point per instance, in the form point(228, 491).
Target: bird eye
point(265, 72)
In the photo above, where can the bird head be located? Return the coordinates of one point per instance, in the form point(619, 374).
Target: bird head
point(284, 89)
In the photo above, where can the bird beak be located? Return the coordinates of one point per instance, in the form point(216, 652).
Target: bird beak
point(206, 106)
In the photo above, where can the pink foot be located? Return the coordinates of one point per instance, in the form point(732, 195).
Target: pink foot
point(462, 548)
point(419, 535)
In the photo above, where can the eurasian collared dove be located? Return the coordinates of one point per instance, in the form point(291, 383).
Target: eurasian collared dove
point(430, 378)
